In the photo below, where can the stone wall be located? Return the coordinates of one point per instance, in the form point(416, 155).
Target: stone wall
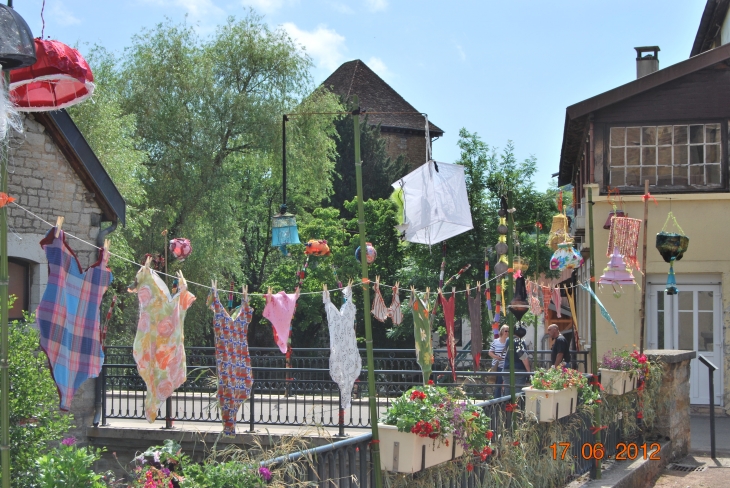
point(41, 180)
point(673, 418)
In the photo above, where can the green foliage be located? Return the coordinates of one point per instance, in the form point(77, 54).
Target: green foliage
point(34, 416)
point(221, 475)
point(69, 465)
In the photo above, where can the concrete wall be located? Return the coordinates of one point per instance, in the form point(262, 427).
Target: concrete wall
point(41, 180)
point(705, 218)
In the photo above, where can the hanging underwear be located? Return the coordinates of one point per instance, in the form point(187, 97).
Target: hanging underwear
point(394, 311)
point(279, 310)
point(345, 360)
point(422, 333)
point(557, 301)
point(159, 349)
point(68, 316)
point(232, 360)
point(379, 311)
point(475, 319)
point(449, 307)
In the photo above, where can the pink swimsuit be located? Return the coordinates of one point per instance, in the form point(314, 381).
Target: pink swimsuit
point(279, 310)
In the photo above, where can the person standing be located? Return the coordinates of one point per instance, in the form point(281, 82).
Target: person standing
point(560, 355)
point(496, 351)
point(522, 359)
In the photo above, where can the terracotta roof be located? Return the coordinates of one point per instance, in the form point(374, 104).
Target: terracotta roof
point(355, 78)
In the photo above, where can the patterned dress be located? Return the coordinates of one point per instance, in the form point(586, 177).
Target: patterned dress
point(449, 307)
point(422, 333)
point(68, 316)
point(232, 359)
point(345, 360)
point(158, 346)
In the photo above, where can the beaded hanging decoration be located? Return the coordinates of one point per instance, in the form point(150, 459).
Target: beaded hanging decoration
point(624, 236)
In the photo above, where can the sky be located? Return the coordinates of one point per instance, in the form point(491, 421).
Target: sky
point(506, 70)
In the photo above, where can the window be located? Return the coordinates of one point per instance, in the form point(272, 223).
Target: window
point(18, 285)
point(667, 155)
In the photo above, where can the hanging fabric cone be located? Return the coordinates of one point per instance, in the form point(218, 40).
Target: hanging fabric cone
point(616, 272)
point(624, 235)
point(519, 305)
point(566, 257)
point(558, 231)
point(671, 281)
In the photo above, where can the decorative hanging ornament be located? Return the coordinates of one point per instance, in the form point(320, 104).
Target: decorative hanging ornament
point(317, 247)
point(611, 215)
point(616, 272)
point(519, 305)
point(671, 288)
point(371, 253)
point(566, 257)
point(672, 247)
point(17, 48)
point(59, 78)
point(180, 248)
point(284, 230)
point(624, 235)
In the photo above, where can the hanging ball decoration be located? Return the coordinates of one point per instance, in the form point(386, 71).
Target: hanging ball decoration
point(501, 248)
point(502, 230)
point(316, 247)
point(500, 268)
point(519, 306)
point(180, 248)
point(371, 253)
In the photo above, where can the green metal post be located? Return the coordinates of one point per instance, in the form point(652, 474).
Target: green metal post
point(375, 449)
point(594, 347)
point(508, 293)
point(4, 326)
point(537, 277)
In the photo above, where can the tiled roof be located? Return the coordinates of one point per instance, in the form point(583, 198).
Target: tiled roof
point(355, 78)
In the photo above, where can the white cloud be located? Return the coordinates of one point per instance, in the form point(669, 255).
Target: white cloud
point(324, 45)
point(462, 54)
point(376, 5)
point(377, 65)
point(62, 15)
point(264, 6)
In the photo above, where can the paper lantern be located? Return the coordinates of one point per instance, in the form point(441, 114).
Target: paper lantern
point(436, 205)
point(17, 48)
point(316, 247)
point(519, 306)
point(371, 253)
point(566, 257)
point(59, 78)
point(520, 264)
point(558, 232)
point(284, 231)
point(180, 248)
point(616, 272)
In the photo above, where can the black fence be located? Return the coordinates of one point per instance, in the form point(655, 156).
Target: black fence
point(301, 395)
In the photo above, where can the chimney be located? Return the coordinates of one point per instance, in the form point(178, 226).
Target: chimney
point(647, 64)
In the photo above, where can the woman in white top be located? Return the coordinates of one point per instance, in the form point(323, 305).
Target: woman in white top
point(496, 352)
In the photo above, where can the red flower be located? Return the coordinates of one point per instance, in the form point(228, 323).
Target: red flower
point(430, 382)
point(418, 395)
point(516, 443)
point(470, 467)
point(483, 457)
point(489, 434)
point(476, 414)
point(488, 451)
point(447, 442)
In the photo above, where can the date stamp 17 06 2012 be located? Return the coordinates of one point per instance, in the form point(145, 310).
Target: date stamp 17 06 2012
point(624, 451)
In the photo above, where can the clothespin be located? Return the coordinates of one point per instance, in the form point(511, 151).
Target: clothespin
point(428, 293)
point(377, 281)
point(181, 278)
point(468, 289)
point(106, 245)
point(324, 286)
point(349, 283)
point(59, 225)
point(269, 291)
point(453, 291)
point(214, 285)
point(245, 293)
point(479, 286)
point(147, 261)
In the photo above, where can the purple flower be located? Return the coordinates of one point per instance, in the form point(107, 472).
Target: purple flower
point(265, 473)
point(69, 441)
point(166, 472)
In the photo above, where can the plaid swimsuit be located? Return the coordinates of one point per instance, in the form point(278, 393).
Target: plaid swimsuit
point(68, 316)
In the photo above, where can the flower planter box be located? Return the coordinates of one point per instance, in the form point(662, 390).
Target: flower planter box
point(403, 452)
point(550, 405)
point(617, 382)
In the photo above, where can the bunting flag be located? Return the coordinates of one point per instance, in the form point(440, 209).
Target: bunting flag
point(604, 312)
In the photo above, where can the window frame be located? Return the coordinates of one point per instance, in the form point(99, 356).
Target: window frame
point(633, 190)
point(26, 285)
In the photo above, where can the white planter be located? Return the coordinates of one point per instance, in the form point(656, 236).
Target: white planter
point(616, 382)
point(402, 452)
point(550, 405)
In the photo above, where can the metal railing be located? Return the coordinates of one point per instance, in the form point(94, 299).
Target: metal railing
point(301, 395)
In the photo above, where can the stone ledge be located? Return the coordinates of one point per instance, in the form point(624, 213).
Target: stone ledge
point(670, 356)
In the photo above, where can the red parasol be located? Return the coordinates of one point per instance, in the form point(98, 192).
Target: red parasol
point(59, 78)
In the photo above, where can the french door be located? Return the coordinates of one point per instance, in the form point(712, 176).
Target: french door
point(690, 320)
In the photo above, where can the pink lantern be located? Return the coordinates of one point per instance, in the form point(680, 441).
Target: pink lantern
point(180, 248)
point(616, 272)
point(59, 78)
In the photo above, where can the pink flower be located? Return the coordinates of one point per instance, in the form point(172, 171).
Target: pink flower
point(164, 390)
point(69, 441)
point(165, 328)
point(144, 322)
point(144, 295)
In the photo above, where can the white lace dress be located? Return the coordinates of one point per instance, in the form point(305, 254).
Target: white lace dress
point(345, 360)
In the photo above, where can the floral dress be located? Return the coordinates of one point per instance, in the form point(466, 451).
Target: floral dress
point(422, 333)
point(158, 346)
point(345, 360)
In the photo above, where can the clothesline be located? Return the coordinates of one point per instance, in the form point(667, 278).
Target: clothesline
point(50, 225)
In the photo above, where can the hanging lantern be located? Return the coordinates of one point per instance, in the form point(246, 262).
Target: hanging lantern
point(371, 253)
point(671, 246)
point(284, 231)
point(180, 248)
point(59, 78)
point(566, 257)
point(616, 272)
point(558, 231)
point(671, 288)
point(316, 247)
point(611, 215)
point(519, 306)
point(17, 48)
point(520, 264)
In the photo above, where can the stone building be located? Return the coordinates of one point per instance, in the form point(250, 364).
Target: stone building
point(403, 128)
point(53, 172)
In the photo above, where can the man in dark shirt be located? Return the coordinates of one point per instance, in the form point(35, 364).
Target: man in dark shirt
point(561, 349)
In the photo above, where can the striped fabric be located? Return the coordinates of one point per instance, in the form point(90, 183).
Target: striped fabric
point(68, 316)
point(394, 311)
point(379, 311)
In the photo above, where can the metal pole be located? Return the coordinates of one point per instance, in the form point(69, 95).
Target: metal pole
point(375, 449)
point(4, 326)
point(594, 346)
point(508, 296)
point(643, 265)
point(537, 277)
point(283, 162)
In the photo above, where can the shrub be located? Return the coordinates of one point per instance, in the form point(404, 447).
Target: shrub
point(222, 475)
point(69, 465)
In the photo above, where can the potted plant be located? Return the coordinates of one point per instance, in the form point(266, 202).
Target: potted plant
point(427, 426)
point(553, 393)
point(620, 371)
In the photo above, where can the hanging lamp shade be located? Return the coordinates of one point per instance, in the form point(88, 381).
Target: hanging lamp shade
point(611, 215)
point(519, 306)
point(671, 246)
point(284, 231)
point(566, 257)
point(616, 272)
point(436, 205)
point(520, 264)
point(558, 231)
point(17, 48)
point(60, 78)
